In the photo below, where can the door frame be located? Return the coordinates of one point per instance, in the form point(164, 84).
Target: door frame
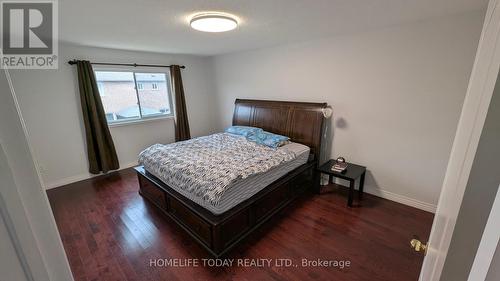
point(25, 207)
point(18, 243)
point(480, 90)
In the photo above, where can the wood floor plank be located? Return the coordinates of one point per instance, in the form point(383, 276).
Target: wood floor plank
point(110, 233)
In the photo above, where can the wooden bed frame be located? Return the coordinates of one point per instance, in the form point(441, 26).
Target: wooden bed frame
point(302, 122)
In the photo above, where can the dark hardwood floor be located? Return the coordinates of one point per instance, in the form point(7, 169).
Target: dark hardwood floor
point(110, 232)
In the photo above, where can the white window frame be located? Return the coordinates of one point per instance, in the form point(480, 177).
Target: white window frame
point(100, 88)
point(141, 118)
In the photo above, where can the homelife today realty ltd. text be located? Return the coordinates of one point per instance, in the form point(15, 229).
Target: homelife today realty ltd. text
point(280, 262)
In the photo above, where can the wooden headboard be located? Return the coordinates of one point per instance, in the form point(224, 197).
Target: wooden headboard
point(301, 121)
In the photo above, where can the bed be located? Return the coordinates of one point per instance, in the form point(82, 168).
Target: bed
point(252, 201)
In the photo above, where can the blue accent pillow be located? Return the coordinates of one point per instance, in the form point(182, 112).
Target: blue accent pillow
point(268, 139)
point(245, 131)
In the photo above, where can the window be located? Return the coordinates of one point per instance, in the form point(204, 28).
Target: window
point(154, 86)
point(125, 98)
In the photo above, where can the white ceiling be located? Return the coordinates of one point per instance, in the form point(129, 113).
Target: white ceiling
point(163, 25)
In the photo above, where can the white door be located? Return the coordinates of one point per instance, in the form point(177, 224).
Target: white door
point(481, 85)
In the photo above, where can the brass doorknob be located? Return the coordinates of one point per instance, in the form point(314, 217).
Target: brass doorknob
point(418, 246)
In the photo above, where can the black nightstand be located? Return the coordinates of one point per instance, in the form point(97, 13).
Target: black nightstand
point(352, 173)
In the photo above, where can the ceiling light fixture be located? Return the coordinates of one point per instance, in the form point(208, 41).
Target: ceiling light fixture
point(213, 22)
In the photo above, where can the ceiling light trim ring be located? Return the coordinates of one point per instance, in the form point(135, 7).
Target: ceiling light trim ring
point(196, 22)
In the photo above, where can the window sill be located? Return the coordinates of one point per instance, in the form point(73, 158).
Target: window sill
point(139, 121)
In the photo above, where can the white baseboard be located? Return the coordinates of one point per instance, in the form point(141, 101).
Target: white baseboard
point(81, 177)
point(382, 193)
point(400, 199)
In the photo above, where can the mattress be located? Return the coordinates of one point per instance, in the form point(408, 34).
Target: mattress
point(242, 189)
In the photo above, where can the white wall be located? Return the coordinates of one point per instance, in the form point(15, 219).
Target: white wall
point(49, 100)
point(396, 94)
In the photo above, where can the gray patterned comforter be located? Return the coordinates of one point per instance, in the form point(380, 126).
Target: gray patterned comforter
point(206, 166)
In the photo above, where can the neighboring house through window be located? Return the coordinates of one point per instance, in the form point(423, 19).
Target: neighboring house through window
point(126, 96)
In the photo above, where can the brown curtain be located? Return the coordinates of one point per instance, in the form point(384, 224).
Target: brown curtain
point(100, 147)
point(181, 119)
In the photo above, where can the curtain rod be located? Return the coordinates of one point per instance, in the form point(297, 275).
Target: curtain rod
point(72, 62)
